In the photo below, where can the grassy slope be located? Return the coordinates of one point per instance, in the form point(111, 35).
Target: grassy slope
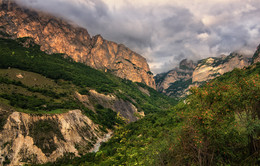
point(218, 124)
point(50, 81)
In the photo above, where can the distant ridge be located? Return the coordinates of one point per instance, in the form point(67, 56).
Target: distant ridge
point(177, 82)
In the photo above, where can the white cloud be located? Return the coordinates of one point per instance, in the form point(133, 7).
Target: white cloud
point(203, 36)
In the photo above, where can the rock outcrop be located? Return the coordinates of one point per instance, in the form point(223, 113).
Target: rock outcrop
point(176, 83)
point(56, 35)
point(125, 109)
point(43, 138)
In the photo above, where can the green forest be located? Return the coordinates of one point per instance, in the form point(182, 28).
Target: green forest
point(218, 124)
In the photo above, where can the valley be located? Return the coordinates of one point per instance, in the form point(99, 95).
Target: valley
point(68, 98)
point(83, 103)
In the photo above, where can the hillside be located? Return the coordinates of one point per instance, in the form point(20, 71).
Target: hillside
point(218, 124)
point(51, 106)
point(58, 35)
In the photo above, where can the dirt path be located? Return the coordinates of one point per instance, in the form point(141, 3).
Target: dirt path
point(99, 142)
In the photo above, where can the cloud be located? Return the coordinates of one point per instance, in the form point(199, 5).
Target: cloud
point(167, 31)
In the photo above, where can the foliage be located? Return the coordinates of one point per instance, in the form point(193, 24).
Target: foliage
point(3, 115)
point(24, 102)
point(221, 121)
point(177, 87)
point(218, 124)
point(43, 133)
point(107, 117)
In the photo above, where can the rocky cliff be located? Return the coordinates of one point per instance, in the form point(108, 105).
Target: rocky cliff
point(56, 35)
point(119, 60)
point(43, 138)
point(124, 108)
point(177, 82)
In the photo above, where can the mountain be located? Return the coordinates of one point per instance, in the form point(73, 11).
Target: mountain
point(176, 83)
point(56, 35)
point(51, 106)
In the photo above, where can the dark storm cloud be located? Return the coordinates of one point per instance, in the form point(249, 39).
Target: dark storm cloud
point(167, 31)
point(79, 11)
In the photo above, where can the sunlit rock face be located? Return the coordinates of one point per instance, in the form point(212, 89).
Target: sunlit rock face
point(120, 60)
point(210, 68)
point(44, 138)
point(56, 35)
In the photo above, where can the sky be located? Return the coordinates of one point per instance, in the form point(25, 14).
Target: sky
point(166, 31)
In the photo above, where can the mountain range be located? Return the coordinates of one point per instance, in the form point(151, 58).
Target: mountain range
point(63, 93)
point(177, 82)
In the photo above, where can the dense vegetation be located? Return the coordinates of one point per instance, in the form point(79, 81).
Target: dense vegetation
point(218, 124)
point(43, 132)
point(176, 88)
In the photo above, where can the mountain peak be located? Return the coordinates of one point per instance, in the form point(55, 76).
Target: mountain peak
point(186, 64)
point(97, 39)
